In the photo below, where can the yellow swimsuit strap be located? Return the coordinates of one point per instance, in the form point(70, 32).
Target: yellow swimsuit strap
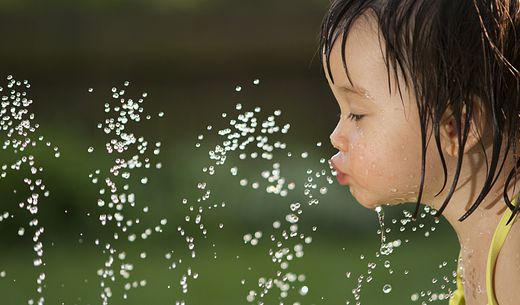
point(496, 244)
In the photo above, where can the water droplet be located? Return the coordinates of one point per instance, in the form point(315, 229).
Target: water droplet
point(90, 149)
point(323, 190)
point(304, 290)
point(238, 89)
point(234, 171)
point(292, 218)
point(387, 288)
point(256, 81)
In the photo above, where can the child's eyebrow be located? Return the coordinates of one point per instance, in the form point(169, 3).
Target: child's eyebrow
point(362, 92)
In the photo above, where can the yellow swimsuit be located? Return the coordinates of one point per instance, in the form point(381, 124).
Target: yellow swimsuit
point(496, 244)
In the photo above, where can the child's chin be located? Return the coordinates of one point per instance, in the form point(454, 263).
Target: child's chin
point(372, 202)
point(372, 205)
point(368, 205)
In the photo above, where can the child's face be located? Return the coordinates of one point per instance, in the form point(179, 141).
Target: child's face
point(381, 152)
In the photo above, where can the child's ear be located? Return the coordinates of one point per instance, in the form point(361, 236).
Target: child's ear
point(449, 130)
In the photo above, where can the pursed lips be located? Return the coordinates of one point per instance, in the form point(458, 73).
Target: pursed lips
point(341, 176)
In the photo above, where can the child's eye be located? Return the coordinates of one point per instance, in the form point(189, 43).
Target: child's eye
point(355, 117)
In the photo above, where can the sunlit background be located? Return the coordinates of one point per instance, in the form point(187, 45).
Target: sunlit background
point(189, 56)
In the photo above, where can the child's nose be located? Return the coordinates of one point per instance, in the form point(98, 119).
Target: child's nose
point(338, 140)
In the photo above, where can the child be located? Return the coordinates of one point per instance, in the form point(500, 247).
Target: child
point(406, 72)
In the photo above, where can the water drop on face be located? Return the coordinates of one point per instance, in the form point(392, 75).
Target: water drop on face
point(387, 288)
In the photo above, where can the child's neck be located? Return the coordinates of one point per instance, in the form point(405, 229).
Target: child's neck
point(475, 234)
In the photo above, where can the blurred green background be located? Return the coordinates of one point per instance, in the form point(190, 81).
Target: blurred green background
point(189, 55)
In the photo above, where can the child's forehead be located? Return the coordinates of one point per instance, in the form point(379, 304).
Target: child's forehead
point(363, 53)
point(365, 23)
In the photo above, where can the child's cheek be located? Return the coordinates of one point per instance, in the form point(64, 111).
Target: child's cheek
point(379, 158)
point(367, 162)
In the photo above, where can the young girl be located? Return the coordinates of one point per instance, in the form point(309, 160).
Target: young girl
point(409, 72)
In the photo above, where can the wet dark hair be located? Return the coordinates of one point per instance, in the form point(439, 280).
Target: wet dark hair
point(452, 54)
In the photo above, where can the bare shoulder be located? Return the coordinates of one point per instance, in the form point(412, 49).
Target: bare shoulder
point(507, 271)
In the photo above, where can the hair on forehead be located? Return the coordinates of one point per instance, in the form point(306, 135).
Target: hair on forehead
point(453, 55)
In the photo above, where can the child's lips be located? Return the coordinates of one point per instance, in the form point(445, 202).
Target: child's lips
point(342, 177)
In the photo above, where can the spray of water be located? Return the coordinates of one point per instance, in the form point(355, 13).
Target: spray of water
point(20, 137)
point(133, 158)
point(249, 136)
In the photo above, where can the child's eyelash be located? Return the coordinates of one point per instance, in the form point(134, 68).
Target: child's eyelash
point(354, 117)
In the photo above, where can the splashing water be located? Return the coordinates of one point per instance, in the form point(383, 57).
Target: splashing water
point(249, 136)
point(386, 249)
point(19, 137)
point(116, 200)
point(246, 131)
point(253, 132)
